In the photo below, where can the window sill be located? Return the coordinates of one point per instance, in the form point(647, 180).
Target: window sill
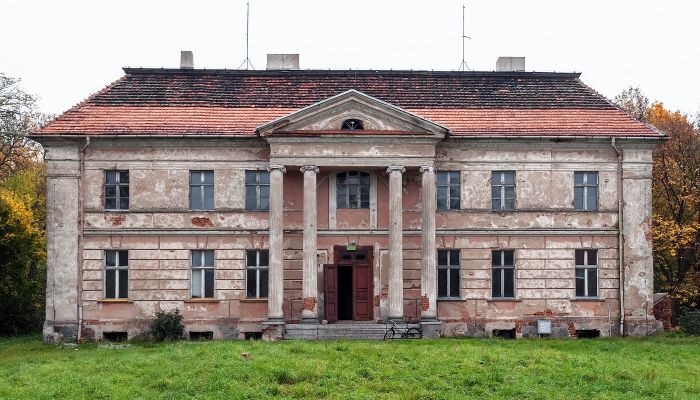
point(115, 211)
point(202, 301)
point(196, 211)
point(504, 300)
point(254, 300)
point(115, 301)
point(450, 299)
point(594, 299)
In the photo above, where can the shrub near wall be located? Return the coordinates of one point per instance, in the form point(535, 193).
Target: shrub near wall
point(690, 322)
point(167, 326)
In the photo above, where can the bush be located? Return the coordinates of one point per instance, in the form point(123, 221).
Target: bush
point(167, 326)
point(690, 322)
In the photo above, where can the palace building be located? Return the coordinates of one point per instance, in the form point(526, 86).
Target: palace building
point(290, 203)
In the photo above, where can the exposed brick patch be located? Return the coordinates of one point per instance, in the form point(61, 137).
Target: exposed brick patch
point(647, 227)
point(571, 328)
point(202, 222)
point(309, 303)
point(376, 301)
point(385, 291)
point(424, 302)
point(663, 311)
point(117, 219)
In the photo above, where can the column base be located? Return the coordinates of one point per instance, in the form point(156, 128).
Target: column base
point(273, 329)
point(431, 328)
point(60, 331)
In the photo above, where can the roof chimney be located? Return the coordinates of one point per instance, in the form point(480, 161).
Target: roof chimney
point(186, 59)
point(510, 64)
point(283, 61)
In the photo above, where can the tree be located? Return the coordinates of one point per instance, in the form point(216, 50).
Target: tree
point(675, 198)
point(22, 267)
point(18, 115)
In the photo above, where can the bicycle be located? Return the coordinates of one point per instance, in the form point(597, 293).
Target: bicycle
point(397, 332)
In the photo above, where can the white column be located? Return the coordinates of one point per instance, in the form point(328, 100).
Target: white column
point(428, 279)
point(309, 286)
point(276, 285)
point(395, 241)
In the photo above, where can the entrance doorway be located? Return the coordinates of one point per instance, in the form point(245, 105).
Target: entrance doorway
point(348, 285)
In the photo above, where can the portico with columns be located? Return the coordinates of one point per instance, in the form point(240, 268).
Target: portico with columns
point(391, 143)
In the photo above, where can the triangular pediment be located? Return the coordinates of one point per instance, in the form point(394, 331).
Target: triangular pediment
point(377, 117)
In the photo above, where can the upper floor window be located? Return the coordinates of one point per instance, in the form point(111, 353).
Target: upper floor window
point(586, 273)
point(116, 190)
point(352, 124)
point(257, 190)
point(503, 190)
point(352, 189)
point(202, 274)
point(257, 267)
point(448, 190)
point(586, 191)
point(201, 190)
point(448, 273)
point(116, 274)
point(503, 274)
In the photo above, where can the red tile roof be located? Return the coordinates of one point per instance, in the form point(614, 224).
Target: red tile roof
point(222, 102)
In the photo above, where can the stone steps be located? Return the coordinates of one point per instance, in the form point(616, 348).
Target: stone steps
point(337, 331)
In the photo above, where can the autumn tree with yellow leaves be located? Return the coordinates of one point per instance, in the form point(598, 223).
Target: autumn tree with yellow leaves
point(675, 198)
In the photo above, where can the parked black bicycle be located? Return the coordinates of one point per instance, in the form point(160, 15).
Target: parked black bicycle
point(396, 331)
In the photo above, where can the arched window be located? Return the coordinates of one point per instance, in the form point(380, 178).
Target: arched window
point(352, 189)
point(352, 124)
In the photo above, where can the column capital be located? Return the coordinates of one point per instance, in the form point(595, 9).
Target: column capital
point(305, 168)
point(427, 168)
point(392, 168)
point(275, 166)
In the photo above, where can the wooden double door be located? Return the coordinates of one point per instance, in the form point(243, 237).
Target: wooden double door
point(348, 285)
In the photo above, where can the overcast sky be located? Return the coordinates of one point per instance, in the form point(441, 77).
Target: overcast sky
point(65, 50)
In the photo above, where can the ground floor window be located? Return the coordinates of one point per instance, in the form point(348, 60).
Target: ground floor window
point(116, 274)
point(503, 274)
point(448, 273)
point(586, 273)
point(202, 274)
point(257, 267)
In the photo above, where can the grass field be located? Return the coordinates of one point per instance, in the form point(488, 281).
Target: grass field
point(667, 368)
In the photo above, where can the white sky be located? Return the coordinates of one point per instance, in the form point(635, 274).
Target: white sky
point(65, 50)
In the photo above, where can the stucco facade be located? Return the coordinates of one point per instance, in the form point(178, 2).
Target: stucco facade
point(304, 229)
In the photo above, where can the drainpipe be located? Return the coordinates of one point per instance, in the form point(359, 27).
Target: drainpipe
point(81, 217)
point(620, 239)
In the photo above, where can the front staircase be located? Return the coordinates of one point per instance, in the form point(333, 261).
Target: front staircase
point(341, 330)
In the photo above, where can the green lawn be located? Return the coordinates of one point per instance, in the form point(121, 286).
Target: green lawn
point(410, 369)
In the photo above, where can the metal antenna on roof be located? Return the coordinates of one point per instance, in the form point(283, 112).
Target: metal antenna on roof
point(246, 62)
point(463, 66)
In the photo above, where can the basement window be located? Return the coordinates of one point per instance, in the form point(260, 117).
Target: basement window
point(115, 336)
point(504, 333)
point(207, 335)
point(253, 335)
point(587, 333)
point(352, 125)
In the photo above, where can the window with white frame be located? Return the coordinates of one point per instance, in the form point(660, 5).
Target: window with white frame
point(257, 190)
point(587, 273)
point(352, 189)
point(448, 273)
point(116, 274)
point(116, 190)
point(448, 190)
point(257, 267)
point(202, 274)
point(586, 191)
point(503, 190)
point(503, 274)
point(202, 190)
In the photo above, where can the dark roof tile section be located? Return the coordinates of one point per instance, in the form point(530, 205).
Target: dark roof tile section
point(223, 102)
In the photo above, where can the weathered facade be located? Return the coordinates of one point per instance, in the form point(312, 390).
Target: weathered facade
point(278, 201)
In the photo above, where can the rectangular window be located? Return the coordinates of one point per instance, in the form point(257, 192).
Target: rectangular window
point(503, 274)
point(352, 189)
point(503, 190)
point(586, 273)
point(586, 191)
point(116, 190)
point(448, 190)
point(256, 273)
point(257, 190)
point(116, 274)
point(448, 273)
point(202, 274)
point(201, 190)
